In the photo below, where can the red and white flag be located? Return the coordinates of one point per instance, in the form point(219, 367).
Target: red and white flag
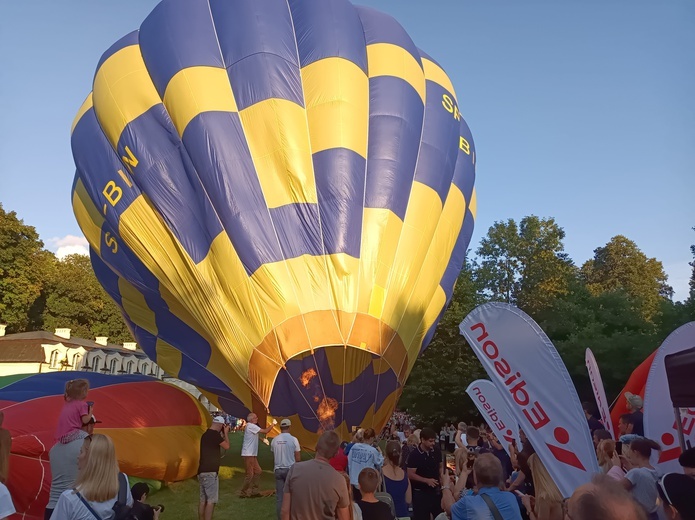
point(659, 417)
point(599, 391)
point(494, 409)
point(527, 370)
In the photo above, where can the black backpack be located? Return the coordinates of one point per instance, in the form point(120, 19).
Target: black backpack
point(122, 510)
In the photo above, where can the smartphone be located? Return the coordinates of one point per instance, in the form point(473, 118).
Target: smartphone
point(619, 448)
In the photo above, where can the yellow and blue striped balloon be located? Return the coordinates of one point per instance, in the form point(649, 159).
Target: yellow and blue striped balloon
point(279, 196)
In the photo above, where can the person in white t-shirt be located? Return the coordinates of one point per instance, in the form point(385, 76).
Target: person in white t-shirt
point(6, 505)
point(249, 452)
point(286, 452)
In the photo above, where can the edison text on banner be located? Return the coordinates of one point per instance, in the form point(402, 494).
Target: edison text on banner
point(494, 409)
point(659, 419)
point(528, 371)
point(599, 391)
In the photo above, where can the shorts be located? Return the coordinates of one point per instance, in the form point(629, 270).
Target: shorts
point(209, 487)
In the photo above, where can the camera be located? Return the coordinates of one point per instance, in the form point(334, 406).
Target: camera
point(159, 507)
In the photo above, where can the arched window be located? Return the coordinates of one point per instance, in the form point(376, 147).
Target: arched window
point(130, 367)
point(76, 361)
point(96, 364)
point(112, 366)
point(54, 359)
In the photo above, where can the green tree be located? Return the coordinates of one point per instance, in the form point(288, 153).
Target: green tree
point(436, 389)
point(526, 264)
point(609, 324)
point(621, 265)
point(75, 299)
point(24, 268)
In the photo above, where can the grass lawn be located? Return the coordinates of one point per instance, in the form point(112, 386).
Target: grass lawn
point(181, 499)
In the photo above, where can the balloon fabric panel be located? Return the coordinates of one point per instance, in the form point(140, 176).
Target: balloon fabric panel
point(275, 191)
point(155, 426)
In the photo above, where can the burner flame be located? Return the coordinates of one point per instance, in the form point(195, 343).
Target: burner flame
point(307, 376)
point(326, 413)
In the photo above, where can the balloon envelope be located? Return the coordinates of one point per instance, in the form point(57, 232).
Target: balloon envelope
point(279, 196)
point(155, 426)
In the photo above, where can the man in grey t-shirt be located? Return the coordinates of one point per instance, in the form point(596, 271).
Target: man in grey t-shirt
point(313, 489)
point(63, 460)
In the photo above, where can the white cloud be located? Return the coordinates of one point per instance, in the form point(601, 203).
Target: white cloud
point(68, 245)
point(678, 278)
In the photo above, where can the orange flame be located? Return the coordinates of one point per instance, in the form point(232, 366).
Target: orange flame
point(307, 376)
point(326, 412)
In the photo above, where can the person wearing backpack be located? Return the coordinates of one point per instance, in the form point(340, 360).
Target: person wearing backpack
point(489, 501)
point(101, 492)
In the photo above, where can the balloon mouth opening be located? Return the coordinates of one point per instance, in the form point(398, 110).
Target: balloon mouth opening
point(335, 388)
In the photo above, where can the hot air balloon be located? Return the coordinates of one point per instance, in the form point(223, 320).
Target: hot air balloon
point(279, 196)
point(155, 426)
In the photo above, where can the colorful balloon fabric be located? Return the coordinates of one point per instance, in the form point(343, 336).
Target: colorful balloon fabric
point(279, 196)
point(636, 384)
point(155, 426)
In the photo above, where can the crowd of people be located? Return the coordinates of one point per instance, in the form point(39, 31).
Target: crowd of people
point(466, 473)
point(461, 473)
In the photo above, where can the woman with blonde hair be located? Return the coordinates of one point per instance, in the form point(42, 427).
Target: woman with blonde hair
point(608, 459)
point(97, 486)
point(548, 503)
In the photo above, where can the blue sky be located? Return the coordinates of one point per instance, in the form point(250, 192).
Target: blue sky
point(581, 110)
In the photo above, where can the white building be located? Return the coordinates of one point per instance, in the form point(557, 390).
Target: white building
point(40, 352)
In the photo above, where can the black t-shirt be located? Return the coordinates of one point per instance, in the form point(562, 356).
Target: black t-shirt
point(427, 465)
point(638, 423)
point(375, 510)
point(210, 452)
point(142, 511)
point(594, 424)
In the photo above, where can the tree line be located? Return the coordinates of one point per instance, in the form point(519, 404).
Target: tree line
point(618, 303)
point(40, 292)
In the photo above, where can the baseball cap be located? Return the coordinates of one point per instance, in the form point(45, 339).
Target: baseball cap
point(285, 423)
point(677, 490)
point(219, 419)
point(634, 400)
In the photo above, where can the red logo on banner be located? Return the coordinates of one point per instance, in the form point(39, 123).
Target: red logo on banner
point(534, 412)
point(561, 454)
point(672, 449)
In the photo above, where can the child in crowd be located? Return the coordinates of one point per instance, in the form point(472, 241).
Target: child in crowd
point(76, 412)
point(370, 506)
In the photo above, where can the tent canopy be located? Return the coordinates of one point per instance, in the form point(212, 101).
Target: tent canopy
point(680, 368)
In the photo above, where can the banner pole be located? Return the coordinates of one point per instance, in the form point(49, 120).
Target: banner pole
point(679, 424)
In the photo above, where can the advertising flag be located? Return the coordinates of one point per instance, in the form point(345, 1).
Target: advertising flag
point(659, 418)
point(494, 409)
point(524, 365)
point(599, 391)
